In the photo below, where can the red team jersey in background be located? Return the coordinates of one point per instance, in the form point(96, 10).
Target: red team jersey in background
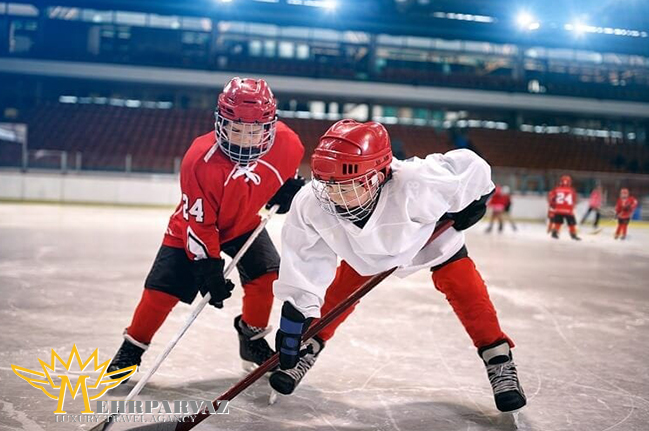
point(562, 200)
point(499, 201)
point(220, 200)
point(624, 208)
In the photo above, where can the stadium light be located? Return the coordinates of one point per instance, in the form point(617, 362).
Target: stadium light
point(527, 22)
point(580, 28)
point(577, 27)
point(329, 5)
point(534, 26)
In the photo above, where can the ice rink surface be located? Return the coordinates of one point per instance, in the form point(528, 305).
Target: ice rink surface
point(579, 313)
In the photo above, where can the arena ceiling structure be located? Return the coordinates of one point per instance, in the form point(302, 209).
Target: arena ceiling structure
point(619, 26)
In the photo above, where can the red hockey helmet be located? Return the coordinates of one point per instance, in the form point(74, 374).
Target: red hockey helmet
point(565, 181)
point(349, 166)
point(246, 117)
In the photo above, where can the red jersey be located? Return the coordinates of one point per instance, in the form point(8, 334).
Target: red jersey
point(624, 208)
point(499, 201)
point(562, 200)
point(595, 200)
point(221, 200)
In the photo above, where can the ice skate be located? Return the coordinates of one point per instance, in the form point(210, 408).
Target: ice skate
point(575, 237)
point(555, 234)
point(253, 347)
point(130, 353)
point(508, 393)
point(285, 381)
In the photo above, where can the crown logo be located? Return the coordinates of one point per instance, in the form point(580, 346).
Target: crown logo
point(103, 383)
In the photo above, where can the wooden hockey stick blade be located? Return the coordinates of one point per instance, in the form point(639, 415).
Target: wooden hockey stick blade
point(106, 424)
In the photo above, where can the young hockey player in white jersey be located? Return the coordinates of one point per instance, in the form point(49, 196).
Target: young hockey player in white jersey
point(375, 213)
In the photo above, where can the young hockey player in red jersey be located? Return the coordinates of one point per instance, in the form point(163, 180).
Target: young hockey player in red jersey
point(594, 205)
point(562, 200)
point(227, 176)
point(375, 212)
point(624, 209)
point(498, 203)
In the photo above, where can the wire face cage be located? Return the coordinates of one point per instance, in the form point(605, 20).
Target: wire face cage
point(352, 199)
point(244, 143)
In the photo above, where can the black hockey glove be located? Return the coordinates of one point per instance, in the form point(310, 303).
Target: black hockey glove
point(285, 194)
point(208, 276)
point(471, 214)
point(288, 339)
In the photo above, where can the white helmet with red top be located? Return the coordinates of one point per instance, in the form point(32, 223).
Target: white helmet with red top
point(246, 119)
point(349, 166)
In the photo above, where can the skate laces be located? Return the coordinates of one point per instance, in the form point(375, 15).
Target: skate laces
point(257, 345)
point(308, 357)
point(254, 332)
point(304, 364)
point(503, 377)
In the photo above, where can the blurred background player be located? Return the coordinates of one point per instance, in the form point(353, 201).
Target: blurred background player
point(624, 208)
point(375, 212)
point(226, 177)
point(497, 204)
point(594, 205)
point(500, 204)
point(562, 200)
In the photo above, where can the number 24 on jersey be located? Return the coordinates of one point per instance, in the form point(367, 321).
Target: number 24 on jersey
point(196, 209)
point(564, 198)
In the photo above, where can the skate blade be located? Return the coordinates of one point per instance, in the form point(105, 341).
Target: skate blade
point(515, 418)
point(272, 399)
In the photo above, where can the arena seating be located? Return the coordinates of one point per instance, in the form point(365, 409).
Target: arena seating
point(560, 85)
point(559, 151)
point(156, 137)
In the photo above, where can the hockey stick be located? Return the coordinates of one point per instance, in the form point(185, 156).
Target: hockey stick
point(107, 423)
point(273, 361)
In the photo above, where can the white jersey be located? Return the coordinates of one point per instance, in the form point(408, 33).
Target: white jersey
point(409, 206)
